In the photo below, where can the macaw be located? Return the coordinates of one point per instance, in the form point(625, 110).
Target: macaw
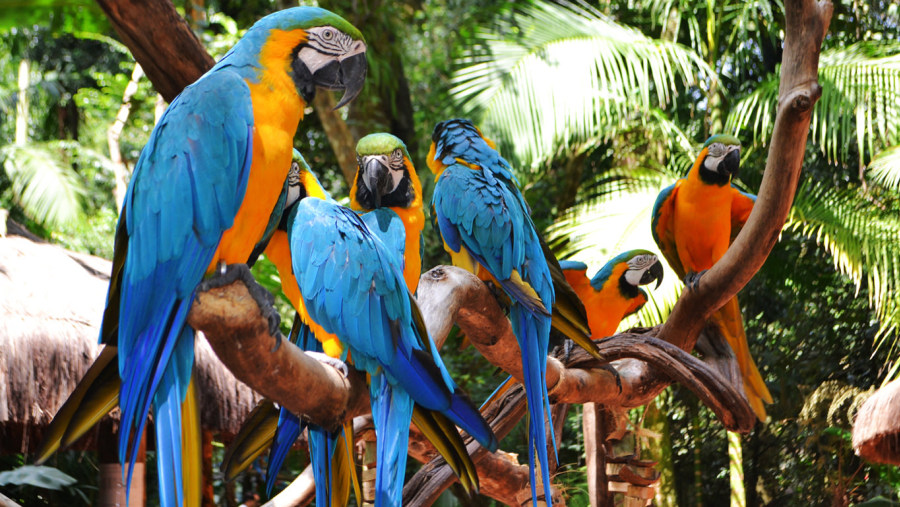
point(694, 222)
point(260, 432)
point(614, 292)
point(611, 295)
point(225, 137)
point(353, 293)
point(485, 225)
point(386, 180)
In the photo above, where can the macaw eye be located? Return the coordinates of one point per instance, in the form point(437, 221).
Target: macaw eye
point(328, 34)
point(397, 158)
point(716, 149)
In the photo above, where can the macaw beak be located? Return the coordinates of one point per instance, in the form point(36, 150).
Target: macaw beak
point(731, 163)
point(654, 273)
point(346, 73)
point(376, 176)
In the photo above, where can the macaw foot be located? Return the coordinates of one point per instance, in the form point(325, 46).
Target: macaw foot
point(498, 293)
point(334, 362)
point(692, 279)
point(229, 273)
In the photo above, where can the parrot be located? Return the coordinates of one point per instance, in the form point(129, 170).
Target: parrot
point(259, 431)
point(614, 292)
point(611, 295)
point(354, 294)
point(694, 221)
point(199, 201)
point(485, 224)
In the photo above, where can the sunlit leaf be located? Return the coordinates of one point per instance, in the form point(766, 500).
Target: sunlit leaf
point(43, 184)
point(569, 79)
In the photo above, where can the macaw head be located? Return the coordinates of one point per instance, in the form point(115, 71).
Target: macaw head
point(385, 176)
point(634, 268)
point(459, 140)
point(302, 183)
point(719, 160)
point(315, 47)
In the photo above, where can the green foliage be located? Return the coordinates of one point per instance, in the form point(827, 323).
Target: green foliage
point(48, 191)
point(613, 74)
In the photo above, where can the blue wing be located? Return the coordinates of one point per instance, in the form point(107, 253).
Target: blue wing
point(389, 228)
point(353, 286)
point(662, 226)
point(492, 222)
point(187, 187)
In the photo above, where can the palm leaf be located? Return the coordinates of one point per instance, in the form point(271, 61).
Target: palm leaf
point(860, 103)
point(885, 168)
point(570, 79)
point(861, 239)
point(46, 188)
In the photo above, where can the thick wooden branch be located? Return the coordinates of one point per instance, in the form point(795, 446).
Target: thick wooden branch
point(806, 24)
point(160, 41)
point(449, 295)
point(235, 328)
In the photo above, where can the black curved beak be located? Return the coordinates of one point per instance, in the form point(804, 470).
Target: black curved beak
point(376, 177)
point(654, 273)
point(731, 164)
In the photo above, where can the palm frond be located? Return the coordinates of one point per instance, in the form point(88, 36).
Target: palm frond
point(885, 168)
point(861, 239)
point(46, 188)
point(569, 79)
point(860, 103)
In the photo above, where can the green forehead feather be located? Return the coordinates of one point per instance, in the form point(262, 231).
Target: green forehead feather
point(725, 139)
point(297, 157)
point(380, 144)
point(332, 19)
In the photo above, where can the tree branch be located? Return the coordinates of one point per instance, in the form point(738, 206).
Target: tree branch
point(160, 41)
point(238, 333)
point(806, 24)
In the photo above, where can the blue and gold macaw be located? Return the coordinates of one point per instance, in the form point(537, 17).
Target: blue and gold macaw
point(694, 222)
point(386, 182)
point(486, 227)
point(260, 431)
point(614, 292)
point(201, 196)
point(611, 295)
point(353, 293)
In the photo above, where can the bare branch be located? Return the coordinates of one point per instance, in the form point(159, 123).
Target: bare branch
point(238, 333)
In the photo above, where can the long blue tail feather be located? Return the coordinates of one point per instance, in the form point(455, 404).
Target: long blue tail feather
point(167, 419)
point(288, 429)
point(392, 412)
point(532, 333)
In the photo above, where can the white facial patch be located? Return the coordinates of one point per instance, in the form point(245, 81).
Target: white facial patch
point(637, 266)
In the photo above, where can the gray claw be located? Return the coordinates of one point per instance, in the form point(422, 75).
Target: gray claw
point(334, 362)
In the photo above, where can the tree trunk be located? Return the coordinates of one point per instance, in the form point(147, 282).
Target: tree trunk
point(736, 470)
point(160, 41)
point(595, 455)
point(114, 132)
point(22, 102)
point(339, 136)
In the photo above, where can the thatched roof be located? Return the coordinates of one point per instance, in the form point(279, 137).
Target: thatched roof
point(876, 432)
point(51, 303)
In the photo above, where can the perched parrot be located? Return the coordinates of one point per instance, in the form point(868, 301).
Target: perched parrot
point(201, 196)
point(485, 225)
point(353, 293)
point(694, 222)
point(259, 431)
point(614, 292)
point(386, 180)
point(611, 295)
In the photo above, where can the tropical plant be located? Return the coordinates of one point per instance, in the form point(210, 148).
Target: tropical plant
point(567, 78)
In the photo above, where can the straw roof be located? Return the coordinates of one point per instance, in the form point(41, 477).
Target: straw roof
point(876, 432)
point(51, 304)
